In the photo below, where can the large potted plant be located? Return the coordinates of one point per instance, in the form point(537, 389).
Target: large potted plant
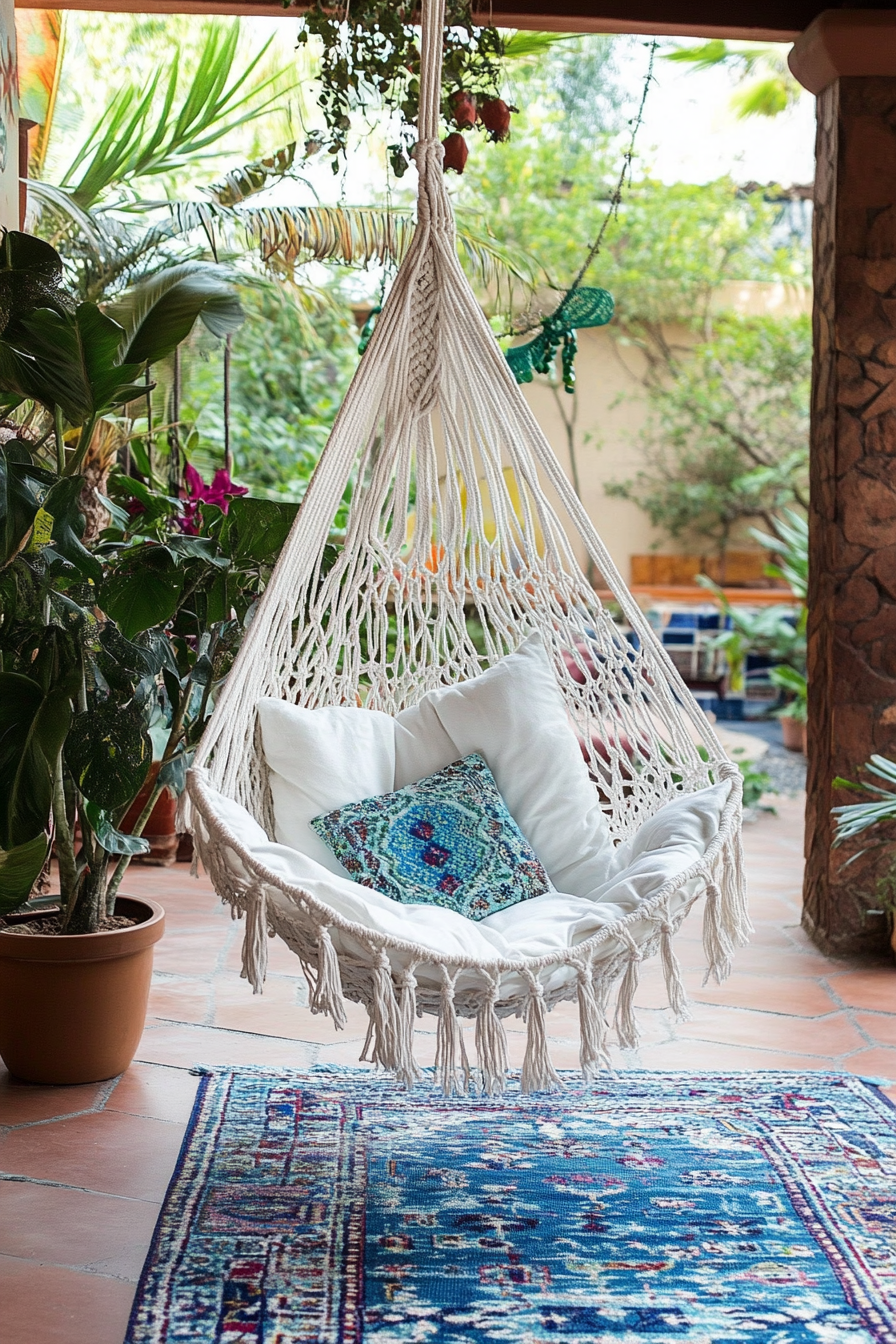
point(93, 669)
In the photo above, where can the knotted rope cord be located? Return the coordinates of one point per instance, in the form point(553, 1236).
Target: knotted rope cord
point(434, 429)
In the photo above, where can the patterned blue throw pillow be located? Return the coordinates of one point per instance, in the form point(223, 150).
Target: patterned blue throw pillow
point(446, 840)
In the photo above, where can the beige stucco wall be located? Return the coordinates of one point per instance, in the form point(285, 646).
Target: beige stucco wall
point(611, 411)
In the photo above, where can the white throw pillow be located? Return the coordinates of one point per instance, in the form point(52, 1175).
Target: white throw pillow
point(321, 759)
point(514, 715)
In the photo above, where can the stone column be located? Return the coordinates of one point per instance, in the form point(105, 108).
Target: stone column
point(9, 119)
point(848, 58)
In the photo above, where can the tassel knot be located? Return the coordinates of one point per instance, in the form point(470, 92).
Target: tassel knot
point(452, 1067)
point(327, 996)
point(491, 1042)
point(593, 1025)
point(407, 1069)
point(383, 1012)
point(675, 990)
point(626, 1024)
point(538, 1073)
point(255, 939)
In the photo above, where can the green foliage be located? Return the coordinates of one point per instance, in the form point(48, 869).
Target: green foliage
point(855, 818)
point(727, 439)
point(159, 314)
point(151, 130)
point(371, 58)
point(291, 366)
point(757, 782)
point(791, 544)
point(767, 87)
point(796, 686)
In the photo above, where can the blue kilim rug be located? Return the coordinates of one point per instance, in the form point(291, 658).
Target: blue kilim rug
point(679, 1208)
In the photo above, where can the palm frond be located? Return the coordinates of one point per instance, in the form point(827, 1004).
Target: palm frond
point(156, 129)
point(241, 183)
point(352, 234)
point(523, 46)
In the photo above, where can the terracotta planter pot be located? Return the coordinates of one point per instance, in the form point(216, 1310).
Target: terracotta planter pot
point(72, 1008)
point(794, 735)
point(160, 830)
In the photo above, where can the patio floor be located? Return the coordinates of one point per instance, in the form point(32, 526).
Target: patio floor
point(84, 1169)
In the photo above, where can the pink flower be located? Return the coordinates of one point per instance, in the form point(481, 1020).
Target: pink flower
point(221, 491)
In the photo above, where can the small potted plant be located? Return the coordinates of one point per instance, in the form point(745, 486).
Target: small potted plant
point(794, 713)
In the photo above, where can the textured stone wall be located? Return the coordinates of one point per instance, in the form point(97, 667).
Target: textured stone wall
point(852, 531)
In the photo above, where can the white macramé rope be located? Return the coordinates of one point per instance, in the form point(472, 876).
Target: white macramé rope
point(460, 509)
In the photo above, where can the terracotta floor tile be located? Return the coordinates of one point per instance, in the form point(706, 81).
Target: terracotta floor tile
point(184, 1046)
point(706, 1055)
point(280, 959)
point(21, 1102)
point(74, 1228)
point(828, 1037)
point(297, 1023)
point(876, 1063)
point(881, 1027)
point(181, 999)
point(156, 1091)
point(803, 998)
point(41, 1304)
point(188, 953)
point(110, 1152)
point(874, 987)
point(760, 960)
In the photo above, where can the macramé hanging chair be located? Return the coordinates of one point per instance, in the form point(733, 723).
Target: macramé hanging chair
point(435, 430)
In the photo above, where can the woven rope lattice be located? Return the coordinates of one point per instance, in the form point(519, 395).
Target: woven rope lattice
point(456, 518)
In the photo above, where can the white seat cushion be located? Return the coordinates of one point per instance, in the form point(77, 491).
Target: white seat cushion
point(321, 759)
point(513, 715)
point(681, 832)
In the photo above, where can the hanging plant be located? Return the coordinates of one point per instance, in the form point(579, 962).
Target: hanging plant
point(371, 57)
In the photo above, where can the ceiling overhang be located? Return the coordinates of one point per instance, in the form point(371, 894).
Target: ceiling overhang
point(762, 20)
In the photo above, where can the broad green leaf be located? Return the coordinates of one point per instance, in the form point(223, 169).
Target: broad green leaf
point(259, 528)
point(20, 490)
point(30, 277)
point(108, 752)
point(33, 725)
point(144, 592)
point(112, 840)
point(173, 773)
point(159, 313)
point(77, 361)
point(68, 526)
point(19, 870)
point(197, 548)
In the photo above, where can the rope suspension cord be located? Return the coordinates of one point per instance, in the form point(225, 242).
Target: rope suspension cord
point(454, 524)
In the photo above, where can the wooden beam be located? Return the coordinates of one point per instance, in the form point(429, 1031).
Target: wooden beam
point(760, 20)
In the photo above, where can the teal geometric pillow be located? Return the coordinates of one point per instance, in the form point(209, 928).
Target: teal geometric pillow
point(446, 840)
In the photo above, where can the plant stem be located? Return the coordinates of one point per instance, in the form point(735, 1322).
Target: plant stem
point(65, 845)
point(83, 445)
point(121, 866)
point(60, 439)
point(174, 734)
